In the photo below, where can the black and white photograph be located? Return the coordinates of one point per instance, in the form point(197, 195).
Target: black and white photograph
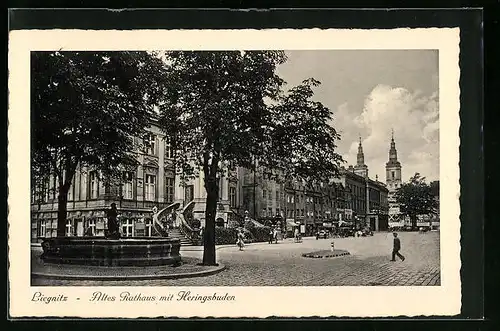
point(238, 167)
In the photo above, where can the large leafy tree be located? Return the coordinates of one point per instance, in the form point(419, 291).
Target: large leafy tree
point(86, 108)
point(227, 109)
point(416, 198)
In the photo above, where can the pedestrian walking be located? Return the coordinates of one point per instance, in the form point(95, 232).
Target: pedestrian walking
point(240, 239)
point(275, 236)
point(396, 248)
point(271, 235)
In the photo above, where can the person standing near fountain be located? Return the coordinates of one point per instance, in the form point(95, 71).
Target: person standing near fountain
point(113, 227)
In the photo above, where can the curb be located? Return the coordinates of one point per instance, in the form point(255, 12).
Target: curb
point(203, 273)
point(318, 256)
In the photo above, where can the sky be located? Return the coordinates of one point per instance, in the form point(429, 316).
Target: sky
point(371, 93)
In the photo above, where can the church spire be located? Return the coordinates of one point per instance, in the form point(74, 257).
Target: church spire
point(361, 168)
point(361, 155)
point(393, 153)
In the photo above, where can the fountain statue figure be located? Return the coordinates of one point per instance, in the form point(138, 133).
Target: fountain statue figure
point(113, 226)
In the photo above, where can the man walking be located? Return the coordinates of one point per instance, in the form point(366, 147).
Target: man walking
point(396, 248)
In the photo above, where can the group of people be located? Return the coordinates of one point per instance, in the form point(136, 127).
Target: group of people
point(273, 235)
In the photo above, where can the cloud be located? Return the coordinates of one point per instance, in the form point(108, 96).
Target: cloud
point(414, 117)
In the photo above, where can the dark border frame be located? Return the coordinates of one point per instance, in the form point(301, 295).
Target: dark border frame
point(471, 84)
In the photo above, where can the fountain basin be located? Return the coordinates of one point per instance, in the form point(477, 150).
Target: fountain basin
point(100, 251)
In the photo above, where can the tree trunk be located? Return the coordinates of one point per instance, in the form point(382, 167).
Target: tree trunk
point(210, 212)
point(413, 219)
point(62, 210)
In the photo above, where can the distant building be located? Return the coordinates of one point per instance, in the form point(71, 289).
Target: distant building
point(295, 202)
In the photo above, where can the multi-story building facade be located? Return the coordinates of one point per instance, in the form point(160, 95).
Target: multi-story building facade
point(377, 208)
point(352, 188)
point(155, 183)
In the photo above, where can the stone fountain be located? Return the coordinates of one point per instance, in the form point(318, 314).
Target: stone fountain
point(113, 250)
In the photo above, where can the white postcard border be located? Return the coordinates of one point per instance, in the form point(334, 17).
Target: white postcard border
point(359, 301)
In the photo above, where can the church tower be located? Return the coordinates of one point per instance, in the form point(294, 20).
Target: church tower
point(393, 181)
point(361, 168)
point(393, 168)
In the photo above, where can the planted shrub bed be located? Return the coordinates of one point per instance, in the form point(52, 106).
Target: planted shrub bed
point(227, 236)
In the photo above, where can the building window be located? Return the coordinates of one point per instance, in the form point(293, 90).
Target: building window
point(69, 228)
point(169, 183)
point(264, 194)
point(277, 195)
point(91, 227)
point(94, 185)
point(149, 227)
point(392, 174)
point(70, 192)
point(264, 212)
point(150, 144)
point(150, 187)
point(42, 228)
point(232, 196)
point(169, 150)
point(128, 227)
point(269, 212)
point(127, 185)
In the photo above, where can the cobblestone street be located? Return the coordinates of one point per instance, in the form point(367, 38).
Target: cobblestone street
point(281, 264)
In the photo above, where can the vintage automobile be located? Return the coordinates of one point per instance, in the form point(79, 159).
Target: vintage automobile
point(321, 234)
point(346, 231)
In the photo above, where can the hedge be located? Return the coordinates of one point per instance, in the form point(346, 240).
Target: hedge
point(260, 234)
point(228, 236)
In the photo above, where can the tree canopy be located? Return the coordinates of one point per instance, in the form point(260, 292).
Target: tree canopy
point(226, 109)
point(86, 108)
point(416, 198)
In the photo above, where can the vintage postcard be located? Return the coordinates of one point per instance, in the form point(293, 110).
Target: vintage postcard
point(234, 173)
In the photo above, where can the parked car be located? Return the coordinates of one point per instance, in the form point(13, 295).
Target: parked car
point(322, 234)
point(345, 231)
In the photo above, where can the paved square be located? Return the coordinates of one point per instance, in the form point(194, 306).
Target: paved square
point(282, 264)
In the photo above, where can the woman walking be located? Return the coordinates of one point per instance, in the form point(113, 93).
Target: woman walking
point(240, 241)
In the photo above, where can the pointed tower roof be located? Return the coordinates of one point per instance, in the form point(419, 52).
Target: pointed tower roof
point(393, 153)
point(361, 155)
